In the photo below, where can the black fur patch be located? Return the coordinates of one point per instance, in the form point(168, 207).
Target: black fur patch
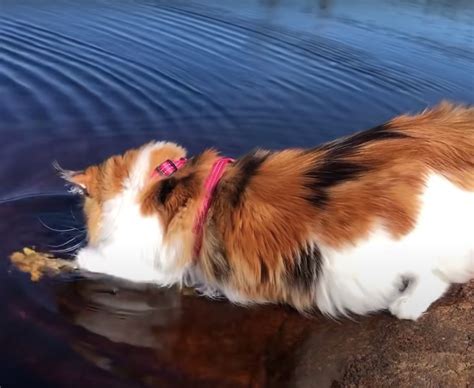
point(380, 132)
point(220, 266)
point(247, 167)
point(405, 282)
point(165, 189)
point(263, 271)
point(335, 168)
point(305, 269)
point(331, 173)
point(169, 185)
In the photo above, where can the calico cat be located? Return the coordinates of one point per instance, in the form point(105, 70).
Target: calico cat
point(382, 219)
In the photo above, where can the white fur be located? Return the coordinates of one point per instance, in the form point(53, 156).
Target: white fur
point(439, 251)
point(131, 245)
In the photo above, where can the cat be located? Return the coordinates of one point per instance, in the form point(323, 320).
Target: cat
point(382, 219)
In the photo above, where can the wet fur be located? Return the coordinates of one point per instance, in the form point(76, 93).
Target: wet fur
point(382, 219)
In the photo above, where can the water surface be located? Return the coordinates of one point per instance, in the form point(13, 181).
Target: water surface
point(82, 80)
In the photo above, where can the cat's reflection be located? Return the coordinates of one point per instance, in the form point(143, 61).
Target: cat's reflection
point(153, 335)
point(120, 311)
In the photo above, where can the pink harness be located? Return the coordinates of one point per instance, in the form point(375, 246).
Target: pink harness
point(169, 167)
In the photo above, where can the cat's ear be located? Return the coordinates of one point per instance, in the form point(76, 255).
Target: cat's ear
point(77, 181)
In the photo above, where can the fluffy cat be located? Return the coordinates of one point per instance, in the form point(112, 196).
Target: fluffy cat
point(382, 219)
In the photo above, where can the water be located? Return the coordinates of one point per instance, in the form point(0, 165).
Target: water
point(82, 80)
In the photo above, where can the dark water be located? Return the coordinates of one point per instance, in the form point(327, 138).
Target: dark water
point(80, 80)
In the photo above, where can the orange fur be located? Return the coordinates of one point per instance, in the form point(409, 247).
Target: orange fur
point(271, 210)
point(102, 182)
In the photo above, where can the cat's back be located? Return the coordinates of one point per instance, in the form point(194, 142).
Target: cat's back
point(408, 213)
point(443, 138)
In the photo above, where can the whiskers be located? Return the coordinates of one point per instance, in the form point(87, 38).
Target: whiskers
point(77, 242)
point(70, 229)
point(75, 237)
point(70, 249)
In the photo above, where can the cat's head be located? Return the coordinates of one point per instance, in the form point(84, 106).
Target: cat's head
point(137, 218)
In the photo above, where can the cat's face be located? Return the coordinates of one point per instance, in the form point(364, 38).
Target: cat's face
point(126, 229)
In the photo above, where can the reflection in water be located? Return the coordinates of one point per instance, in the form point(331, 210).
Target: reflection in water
point(128, 315)
point(200, 341)
point(83, 80)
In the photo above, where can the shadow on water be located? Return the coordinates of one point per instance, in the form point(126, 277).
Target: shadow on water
point(82, 80)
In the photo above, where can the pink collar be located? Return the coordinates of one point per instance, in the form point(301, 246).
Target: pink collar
point(169, 167)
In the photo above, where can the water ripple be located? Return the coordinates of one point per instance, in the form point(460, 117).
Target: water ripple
point(106, 75)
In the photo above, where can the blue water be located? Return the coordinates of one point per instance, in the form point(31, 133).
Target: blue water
point(81, 80)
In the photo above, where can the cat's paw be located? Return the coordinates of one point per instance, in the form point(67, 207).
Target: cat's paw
point(406, 307)
point(209, 292)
